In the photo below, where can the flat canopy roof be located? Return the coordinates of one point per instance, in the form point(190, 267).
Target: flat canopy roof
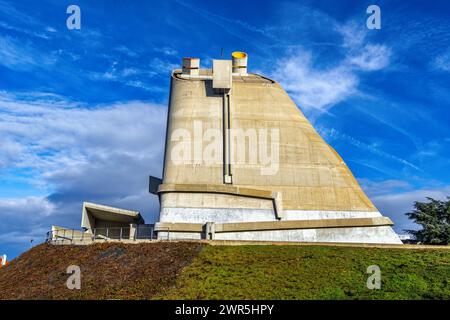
point(108, 213)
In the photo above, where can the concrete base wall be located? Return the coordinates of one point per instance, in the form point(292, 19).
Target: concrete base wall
point(377, 234)
point(223, 215)
point(383, 234)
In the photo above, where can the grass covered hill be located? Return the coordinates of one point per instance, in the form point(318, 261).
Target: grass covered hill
point(193, 270)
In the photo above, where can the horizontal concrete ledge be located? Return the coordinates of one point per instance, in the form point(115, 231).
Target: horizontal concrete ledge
point(214, 188)
point(304, 224)
point(102, 208)
point(275, 225)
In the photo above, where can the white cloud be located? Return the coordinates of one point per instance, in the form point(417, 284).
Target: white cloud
point(396, 197)
point(30, 207)
point(81, 153)
point(23, 55)
point(318, 88)
point(377, 188)
point(371, 57)
point(25, 219)
point(396, 204)
point(314, 88)
point(360, 53)
point(353, 34)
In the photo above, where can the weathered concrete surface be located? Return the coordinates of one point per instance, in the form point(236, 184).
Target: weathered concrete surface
point(374, 235)
point(311, 175)
point(203, 215)
point(308, 179)
point(356, 230)
point(382, 234)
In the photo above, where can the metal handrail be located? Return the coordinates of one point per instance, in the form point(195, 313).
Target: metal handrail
point(107, 234)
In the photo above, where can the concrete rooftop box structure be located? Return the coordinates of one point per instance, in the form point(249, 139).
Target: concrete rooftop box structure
point(101, 218)
point(222, 77)
point(246, 164)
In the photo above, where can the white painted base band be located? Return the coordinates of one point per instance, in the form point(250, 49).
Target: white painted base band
point(378, 234)
point(224, 215)
point(383, 234)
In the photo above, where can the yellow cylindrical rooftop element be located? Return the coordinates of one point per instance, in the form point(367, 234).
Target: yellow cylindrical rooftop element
point(191, 66)
point(239, 62)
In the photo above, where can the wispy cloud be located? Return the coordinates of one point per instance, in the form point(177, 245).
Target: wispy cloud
point(8, 10)
point(311, 87)
point(231, 26)
point(442, 62)
point(134, 76)
point(28, 32)
point(50, 29)
point(319, 88)
point(371, 57)
point(168, 51)
point(16, 20)
point(333, 134)
point(21, 55)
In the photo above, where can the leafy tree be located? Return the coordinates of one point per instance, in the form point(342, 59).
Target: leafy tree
point(434, 217)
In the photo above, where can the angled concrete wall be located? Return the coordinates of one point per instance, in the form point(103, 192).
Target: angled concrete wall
point(311, 179)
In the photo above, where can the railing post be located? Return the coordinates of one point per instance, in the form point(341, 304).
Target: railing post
point(107, 233)
point(120, 236)
point(95, 234)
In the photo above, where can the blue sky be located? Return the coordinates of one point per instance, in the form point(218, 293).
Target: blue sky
point(82, 112)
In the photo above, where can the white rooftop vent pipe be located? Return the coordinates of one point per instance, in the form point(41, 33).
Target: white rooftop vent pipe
point(239, 63)
point(191, 66)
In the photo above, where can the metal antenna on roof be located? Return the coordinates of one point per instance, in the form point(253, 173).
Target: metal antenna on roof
point(221, 52)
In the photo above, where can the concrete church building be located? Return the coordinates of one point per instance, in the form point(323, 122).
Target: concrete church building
point(242, 162)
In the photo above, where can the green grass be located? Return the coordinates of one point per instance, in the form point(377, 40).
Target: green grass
point(291, 272)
